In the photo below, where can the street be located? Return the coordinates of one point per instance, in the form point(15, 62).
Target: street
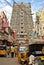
point(22, 32)
point(9, 61)
point(13, 61)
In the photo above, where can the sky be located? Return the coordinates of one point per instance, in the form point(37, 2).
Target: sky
point(36, 6)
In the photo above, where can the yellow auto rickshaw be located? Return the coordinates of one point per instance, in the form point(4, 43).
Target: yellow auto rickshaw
point(23, 55)
point(3, 50)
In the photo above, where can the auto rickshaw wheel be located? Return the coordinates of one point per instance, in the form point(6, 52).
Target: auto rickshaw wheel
point(19, 62)
point(22, 63)
point(27, 63)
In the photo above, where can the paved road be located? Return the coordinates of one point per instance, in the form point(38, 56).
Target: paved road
point(9, 61)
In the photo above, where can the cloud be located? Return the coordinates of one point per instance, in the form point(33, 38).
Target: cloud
point(2, 0)
point(5, 0)
point(38, 5)
point(41, 2)
point(32, 1)
point(4, 3)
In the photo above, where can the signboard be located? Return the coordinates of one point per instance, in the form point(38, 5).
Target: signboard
point(22, 41)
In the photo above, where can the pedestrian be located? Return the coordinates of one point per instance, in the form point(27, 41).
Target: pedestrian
point(31, 59)
point(36, 61)
point(12, 51)
point(16, 51)
point(8, 51)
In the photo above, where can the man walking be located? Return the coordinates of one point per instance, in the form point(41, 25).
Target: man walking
point(12, 51)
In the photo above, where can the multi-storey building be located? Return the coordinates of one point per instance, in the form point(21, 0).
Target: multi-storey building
point(37, 25)
point(21, 20)
point(6, 33)
point(0, 23)
point(42, 22)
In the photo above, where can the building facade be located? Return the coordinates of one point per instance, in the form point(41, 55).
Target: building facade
point(21, 20)
point(37, 25)
point(6, 33)
point(42, 22)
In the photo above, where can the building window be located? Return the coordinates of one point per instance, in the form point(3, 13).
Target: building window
point(21, 23)
point(43, 27)
point(21, 15)
point(21, 12)
point(40, 28)
point(21, 19)
point(21, 27)
point(21, 36)
point(21, 31)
